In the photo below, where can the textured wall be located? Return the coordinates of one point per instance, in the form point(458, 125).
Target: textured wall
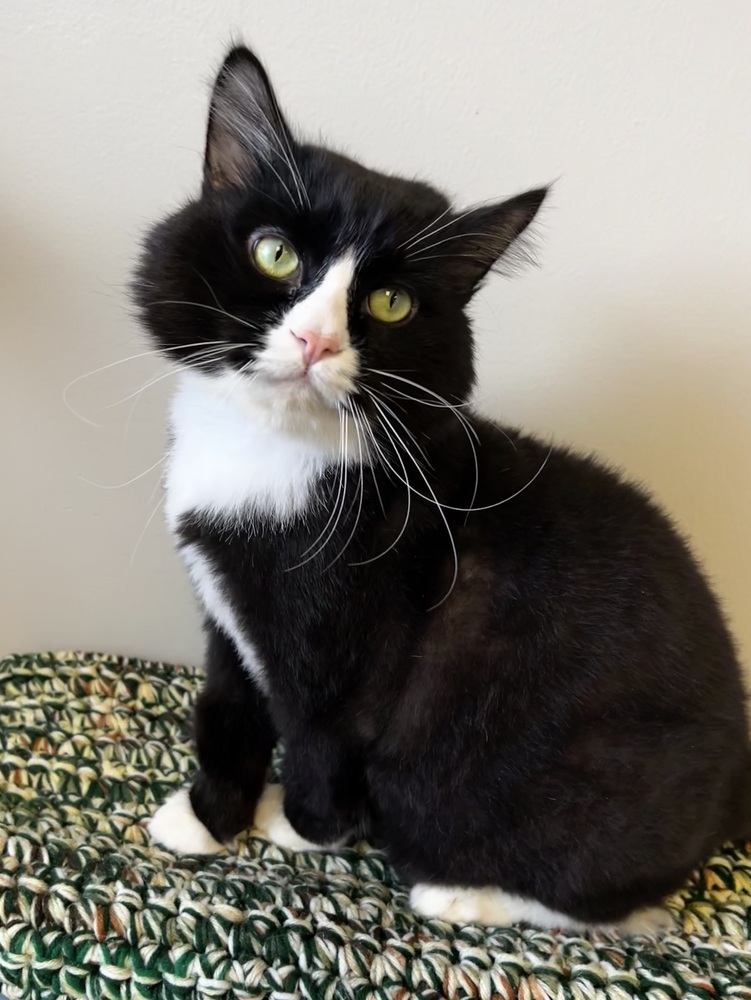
point(633, 339)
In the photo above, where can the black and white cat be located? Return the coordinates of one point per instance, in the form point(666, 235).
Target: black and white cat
point(495, 659)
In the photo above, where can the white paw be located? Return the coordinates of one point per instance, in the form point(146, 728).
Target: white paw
point(176, 827)
point(271, 823)
point(432, 900)
point(654, 920)
point(491, 905)
point(484, 905)
point(458, 905)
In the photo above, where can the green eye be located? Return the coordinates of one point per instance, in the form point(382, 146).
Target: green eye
point(390, 305)
point(275, 257)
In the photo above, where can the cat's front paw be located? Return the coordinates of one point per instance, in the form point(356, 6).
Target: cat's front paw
point(175, 826)
point(270, 822)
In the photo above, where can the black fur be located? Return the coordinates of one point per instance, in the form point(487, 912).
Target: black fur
point(569, 722)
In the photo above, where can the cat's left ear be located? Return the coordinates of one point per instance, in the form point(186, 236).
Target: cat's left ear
point(246, 127)
point(487, 236)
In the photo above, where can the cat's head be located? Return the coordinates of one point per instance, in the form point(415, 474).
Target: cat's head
point(304, 285)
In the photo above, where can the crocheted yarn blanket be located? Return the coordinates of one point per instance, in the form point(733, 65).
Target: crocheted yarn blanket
point(90, 745)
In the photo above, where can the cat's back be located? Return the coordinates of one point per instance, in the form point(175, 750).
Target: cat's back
point(572, 565)
point(555, 499)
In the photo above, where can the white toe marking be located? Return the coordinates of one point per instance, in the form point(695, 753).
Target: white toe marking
point(271, 823)
point(491, 905)
point(176, 827)
point(654, 920)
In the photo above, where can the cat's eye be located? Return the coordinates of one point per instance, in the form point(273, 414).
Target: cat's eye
point(390, 305)
point(275, 257)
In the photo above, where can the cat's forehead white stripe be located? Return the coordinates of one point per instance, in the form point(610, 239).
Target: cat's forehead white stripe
point(325, 308)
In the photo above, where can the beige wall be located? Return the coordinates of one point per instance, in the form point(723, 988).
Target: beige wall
point(633, 339)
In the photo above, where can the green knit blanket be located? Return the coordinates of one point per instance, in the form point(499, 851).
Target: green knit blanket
point(90, 745)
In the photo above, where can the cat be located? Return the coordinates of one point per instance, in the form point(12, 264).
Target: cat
point(496, 659)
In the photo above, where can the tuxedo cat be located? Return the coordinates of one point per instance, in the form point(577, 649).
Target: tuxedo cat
point(494, 658)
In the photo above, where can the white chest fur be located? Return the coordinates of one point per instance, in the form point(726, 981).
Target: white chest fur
point(230, 462)
point(210, 590)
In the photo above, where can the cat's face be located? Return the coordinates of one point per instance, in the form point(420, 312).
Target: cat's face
point(301, 283)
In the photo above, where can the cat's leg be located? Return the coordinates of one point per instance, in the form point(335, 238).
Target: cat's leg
point(271, 822)
point(322, 799)
point(490, 905)
point(234, 740)
point(324, 785)
point(175, 826)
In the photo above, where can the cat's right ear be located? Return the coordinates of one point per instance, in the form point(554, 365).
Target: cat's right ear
point(246, 128)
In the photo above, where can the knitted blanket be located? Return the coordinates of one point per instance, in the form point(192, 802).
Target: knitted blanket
point(90, 745)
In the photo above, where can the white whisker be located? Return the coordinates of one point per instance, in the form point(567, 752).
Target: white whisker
point(236, 379)
point(339, 503)
point(203, 305)
point(471, 509)
point(423, 388)
point(364, 562)
point(155, 352)
point(467, 428)
point(129, 418)
point(207, 357)
point(212, 293)
point(450, 406)
point(412, 437)
point(447, 239)
point(120, 486)
point(145, 529)
point(361, 491)
point(137, 395)
point(430, 225)
point(438, 505)
point(401, 394)
point(359, 417)
point(451, 222)
point(211, 354)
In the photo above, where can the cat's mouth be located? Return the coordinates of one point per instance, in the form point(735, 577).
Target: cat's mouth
point(299, 378)
point(314, 386)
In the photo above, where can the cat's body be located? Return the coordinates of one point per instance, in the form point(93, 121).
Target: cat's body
point(496, 659)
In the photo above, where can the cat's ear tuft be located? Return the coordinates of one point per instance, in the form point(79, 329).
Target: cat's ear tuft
point(488, 236)
point(246, 128)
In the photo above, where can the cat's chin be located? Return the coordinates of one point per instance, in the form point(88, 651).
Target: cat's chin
point(291, 404)
point(296, 396)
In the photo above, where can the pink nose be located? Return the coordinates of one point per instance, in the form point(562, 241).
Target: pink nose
point(315, 345)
